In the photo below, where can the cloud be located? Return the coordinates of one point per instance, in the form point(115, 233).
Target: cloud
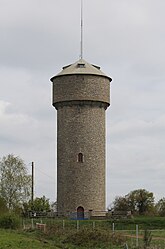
point(29, 138)
point(126, 39)
point(14, 126)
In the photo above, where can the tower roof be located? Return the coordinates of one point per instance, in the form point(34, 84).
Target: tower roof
point(81, 67)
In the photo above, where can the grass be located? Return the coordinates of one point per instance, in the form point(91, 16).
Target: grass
point(89, 234)
point(80, 240)
point(15, 240)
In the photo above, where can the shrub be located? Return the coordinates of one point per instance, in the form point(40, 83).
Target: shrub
point(92, 239)
point(9, 221)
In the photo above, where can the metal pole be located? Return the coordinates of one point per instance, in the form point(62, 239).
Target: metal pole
point(24, 224)
point(32, 223)
point(81, 52)
point(113, 227)
point(63, 224)
point(137, 236)
point(78, 226)
point(32, 194)
point(126, 246)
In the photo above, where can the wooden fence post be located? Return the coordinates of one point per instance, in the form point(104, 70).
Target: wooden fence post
point(137, 236)
point(113, 227)
point(78, 225)
point(63, 224)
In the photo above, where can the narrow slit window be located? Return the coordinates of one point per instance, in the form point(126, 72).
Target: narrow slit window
point(80, 158)
point(81, 65)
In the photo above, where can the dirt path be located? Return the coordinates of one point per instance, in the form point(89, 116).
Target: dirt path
point(141, 237)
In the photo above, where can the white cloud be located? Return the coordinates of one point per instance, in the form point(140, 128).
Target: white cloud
point(126, 39)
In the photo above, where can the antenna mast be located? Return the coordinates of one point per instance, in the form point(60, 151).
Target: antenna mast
point(81, 47)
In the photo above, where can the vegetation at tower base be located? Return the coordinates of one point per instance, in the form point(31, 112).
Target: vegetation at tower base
point(40, 206)
point(102, 236)
point(87, 236)
point(9, 221)
point(14, 182)
point(139, 202)
point(147, 238)
point(95, 238)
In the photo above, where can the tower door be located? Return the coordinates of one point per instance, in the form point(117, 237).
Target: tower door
point(80, 213)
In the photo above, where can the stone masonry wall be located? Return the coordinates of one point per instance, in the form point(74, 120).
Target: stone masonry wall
point(81, 87)
point(81, 130)
point(81, 101)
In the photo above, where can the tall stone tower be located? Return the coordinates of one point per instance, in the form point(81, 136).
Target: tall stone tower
point(81, 95)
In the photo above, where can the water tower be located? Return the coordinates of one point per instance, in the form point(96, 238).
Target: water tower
point(81, 96)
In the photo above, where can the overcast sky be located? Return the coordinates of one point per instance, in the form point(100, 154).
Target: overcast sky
point(127, 39)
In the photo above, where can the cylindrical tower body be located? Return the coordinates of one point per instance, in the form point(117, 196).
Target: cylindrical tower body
point(81, 94)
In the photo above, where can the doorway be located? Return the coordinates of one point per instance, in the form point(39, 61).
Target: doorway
point(80, 213)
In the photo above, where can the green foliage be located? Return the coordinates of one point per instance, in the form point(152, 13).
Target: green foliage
point(3, 206)
point(94, 239)
point(147, 238)
point(40, 204)
point(57, 236)
point(9, 221)
point(120, 203)
point(14, 181)
point(144, 222)
point(142, 201)
point(16, 240)
point(160, 207)
point(138, 201)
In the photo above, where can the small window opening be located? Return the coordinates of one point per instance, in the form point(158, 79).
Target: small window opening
point(80, 158)
point(81, 65)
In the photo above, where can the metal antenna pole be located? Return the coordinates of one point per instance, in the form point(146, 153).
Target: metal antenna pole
point(81, 54)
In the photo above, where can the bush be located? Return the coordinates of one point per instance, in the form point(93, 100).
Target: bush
point(9, 221)
point(95, 238)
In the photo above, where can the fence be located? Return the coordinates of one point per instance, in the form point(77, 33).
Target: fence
point(134, 233)
point(86, 215)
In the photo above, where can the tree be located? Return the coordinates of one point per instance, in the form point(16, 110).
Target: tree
point(120, 203)
point(160, 207)
point(142, 201)
point(3, 206)
point(53, 206)
point(138, 201)
point(40, 204)
point(14, 181)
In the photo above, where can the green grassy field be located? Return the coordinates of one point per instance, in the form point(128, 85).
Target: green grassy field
point(18, 240)
point(77, 240)
point(90, 234)
point(30, 240)
point(151, 223)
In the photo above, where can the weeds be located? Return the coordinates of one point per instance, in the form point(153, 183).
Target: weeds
point(9, 221)
point(147, 238)
point(94, 239)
